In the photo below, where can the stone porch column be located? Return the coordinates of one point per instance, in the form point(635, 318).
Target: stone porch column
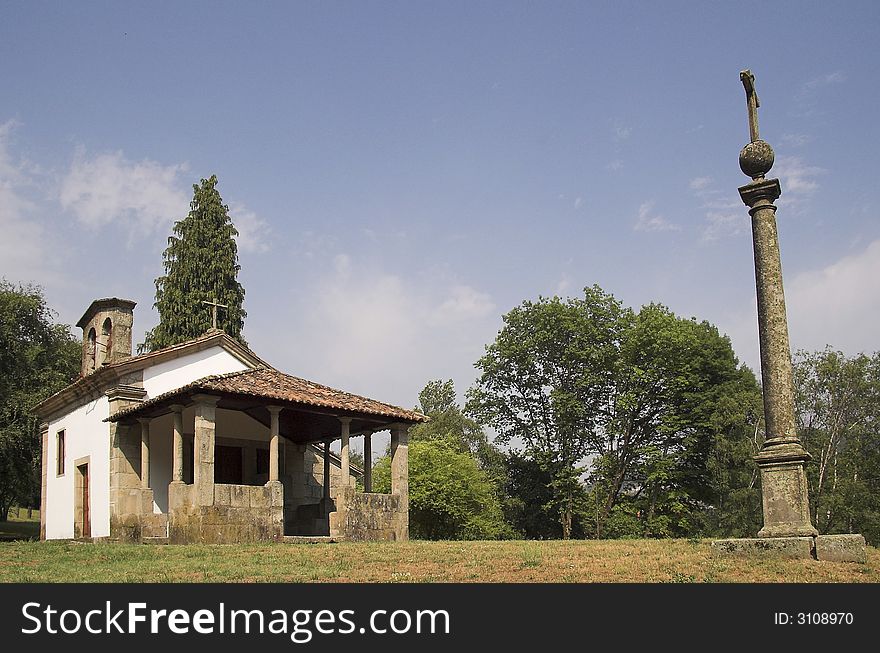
point(274, 412)
point(326, 470)
point(203, 450)
point(400, 464)
point(145, 452)
point(344, 453)
point(177, 453)
point(368, 461)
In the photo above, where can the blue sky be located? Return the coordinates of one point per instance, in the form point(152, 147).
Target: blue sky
point(402, 174)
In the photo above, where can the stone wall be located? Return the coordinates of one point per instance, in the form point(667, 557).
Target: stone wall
point(240, 513)
point(368, 516)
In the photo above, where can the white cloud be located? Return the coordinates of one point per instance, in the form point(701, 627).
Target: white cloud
point(795, 140)
point(615, 165)
point(648, 220)
point(838, 304)
point(381, 333)
point(143, 196)
point(824, 80)
point(253, 231)
point(23, 245)
point(621, 132)
point(578, 202)
point(699, 183)
point(720, 224)
point(795, 176)
point(463, 303)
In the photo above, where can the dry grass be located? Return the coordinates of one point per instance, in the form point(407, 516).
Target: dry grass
point(639, 561)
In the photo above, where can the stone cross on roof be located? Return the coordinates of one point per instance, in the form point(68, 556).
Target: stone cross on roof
point(214, 306)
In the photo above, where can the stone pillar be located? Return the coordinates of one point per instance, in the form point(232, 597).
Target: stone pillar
point(344, 452)
point(145, 452)
point(400, 476)
point(203, 449)
point(177, 451)
point(368, 461)
point(274, 412)
point(326, 470)
point(782, 458)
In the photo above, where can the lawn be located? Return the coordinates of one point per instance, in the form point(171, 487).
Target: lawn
point(19, 527)
point(640, 561)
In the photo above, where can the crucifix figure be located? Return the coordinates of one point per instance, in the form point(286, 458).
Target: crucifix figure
point(748, 81)
point(214, 306)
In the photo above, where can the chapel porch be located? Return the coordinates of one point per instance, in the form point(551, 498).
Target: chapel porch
point(247, 457)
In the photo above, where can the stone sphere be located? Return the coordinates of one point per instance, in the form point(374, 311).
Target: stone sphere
point(756, 159)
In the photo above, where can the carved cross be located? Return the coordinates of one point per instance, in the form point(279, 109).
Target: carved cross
point(214, 306)
point(748, 80)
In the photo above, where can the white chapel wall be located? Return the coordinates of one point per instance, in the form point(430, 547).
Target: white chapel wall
point(173, 374)
point(85, 434)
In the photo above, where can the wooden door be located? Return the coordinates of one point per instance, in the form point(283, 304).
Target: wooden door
point(87, 521)
point(227, 465)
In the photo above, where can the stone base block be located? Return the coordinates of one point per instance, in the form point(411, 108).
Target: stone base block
point(841, 548)
point(785, 547)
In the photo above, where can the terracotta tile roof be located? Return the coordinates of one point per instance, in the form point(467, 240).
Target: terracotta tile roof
point(268, 383)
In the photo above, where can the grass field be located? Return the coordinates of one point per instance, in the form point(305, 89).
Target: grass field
point(640, 561)
point(19, 527)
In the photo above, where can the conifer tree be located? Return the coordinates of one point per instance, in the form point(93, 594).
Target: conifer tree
point(201, 265)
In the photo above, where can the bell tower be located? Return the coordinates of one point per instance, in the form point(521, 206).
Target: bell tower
point(106, 326)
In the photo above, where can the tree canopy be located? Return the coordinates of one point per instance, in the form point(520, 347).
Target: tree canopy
point(201, 265)
point(37, 358)
point(626, 399)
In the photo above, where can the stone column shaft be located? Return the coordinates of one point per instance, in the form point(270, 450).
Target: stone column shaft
point(145, 453)
point(368, 462)
point(344, 451)
point(782, 457)
point(400, 464)
point(326, 469)
point(177, 453)
point(205, 435)
point(274, 412)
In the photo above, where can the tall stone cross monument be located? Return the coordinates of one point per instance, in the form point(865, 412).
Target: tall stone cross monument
point(782, 459)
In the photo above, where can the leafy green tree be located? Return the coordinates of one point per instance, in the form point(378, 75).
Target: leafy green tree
point(450, 497)
point(655, 445)
point(201, 264)
point(37, 358)
point(629, 399)
point(448, 422)
point(838, 409)
point(545, 383)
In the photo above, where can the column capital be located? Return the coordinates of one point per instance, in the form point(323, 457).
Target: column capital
point(345, 420)
point(275, 410)
point(177, 408)
point(768, 190)
point(145, 421)
point(211, 400)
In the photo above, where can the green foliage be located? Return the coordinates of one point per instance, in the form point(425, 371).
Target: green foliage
point(448, 422)
point(450, 497)
point(633, 398)
point(838, 409)
point(544, 382)
point(37, 358)
point(201, 264)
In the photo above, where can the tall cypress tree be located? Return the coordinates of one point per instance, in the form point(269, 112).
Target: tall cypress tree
point(201, 264)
